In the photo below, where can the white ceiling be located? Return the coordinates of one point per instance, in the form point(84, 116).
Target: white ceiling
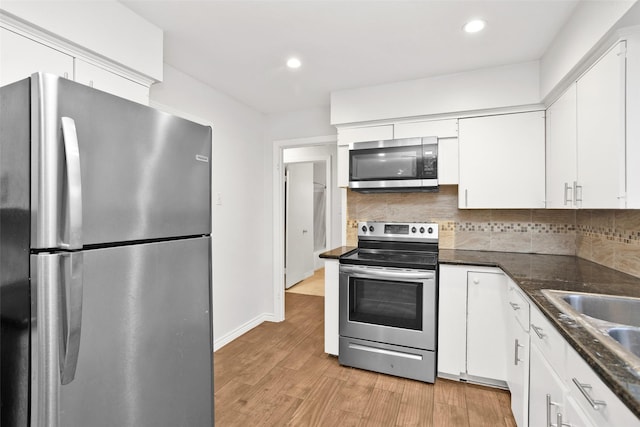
point(240, 47)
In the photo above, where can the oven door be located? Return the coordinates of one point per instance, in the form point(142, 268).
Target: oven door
point(388, 305)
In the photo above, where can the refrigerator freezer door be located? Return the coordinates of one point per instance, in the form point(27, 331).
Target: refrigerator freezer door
point(145, 354)
point(143, 174)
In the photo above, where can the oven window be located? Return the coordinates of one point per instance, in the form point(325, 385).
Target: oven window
point(387, 303)
point(385, 163)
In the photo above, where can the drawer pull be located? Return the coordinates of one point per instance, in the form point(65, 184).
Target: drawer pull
point(595, 404)
point(514, 306)
point(516, 356)
point(559, 416)
point(538, 330)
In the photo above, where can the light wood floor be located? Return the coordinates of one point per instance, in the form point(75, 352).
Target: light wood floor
point(278, 375)
point(314, 285)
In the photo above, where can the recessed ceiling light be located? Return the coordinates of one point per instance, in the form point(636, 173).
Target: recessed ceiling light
point(474, 26)
point(293, 63)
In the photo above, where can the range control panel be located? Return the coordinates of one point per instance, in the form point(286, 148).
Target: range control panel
point(401, 231)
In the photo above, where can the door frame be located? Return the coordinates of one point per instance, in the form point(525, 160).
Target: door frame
point(278, 210)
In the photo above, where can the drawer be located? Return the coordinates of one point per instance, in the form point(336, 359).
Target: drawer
point(597, 400)
point(518, 304)
point(549, 341)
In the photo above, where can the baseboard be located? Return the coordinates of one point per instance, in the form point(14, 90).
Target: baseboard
point(243, 329)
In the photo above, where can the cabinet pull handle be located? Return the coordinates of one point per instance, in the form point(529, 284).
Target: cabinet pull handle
point(567, 188)
point(516, 357)
point(550, 403)
point(466, 198)
point(538, 330)
point(514, 306)
point(595, 404)
point(577, 187)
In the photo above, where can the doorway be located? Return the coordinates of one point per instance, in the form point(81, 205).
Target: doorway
point(322, 150)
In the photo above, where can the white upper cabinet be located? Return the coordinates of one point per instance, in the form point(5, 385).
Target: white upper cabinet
point(107, 81)
point(501, 161)
point(586, 138)
point(600, 111)
point(20, 57)
point(561, 151)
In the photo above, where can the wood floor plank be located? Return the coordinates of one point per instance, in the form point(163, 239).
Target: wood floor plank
point(483, 407)
point(445, 415)
point(312, 410)
point(278, 374)
point(450, 393)
point(416, 406)
point(382, 408)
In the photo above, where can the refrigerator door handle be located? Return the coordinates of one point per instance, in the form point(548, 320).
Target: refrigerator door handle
point(71, 315)
point(74, 184)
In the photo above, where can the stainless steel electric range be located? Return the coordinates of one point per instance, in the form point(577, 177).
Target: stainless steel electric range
point(388, 295)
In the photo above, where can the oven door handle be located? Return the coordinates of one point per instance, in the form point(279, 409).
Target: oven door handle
point(386, 273)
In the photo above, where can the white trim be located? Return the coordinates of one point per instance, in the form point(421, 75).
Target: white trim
point(241, 330)
point(25, 29)
point(278, 213)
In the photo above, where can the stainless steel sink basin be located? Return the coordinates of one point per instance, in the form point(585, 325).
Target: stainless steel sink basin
point(613, 320)
point(629, 338)
point(621, 310)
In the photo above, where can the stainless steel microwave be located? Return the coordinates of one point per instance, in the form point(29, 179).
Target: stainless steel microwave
point(396, 165)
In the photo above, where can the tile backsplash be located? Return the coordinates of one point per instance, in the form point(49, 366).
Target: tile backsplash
point(608, 237)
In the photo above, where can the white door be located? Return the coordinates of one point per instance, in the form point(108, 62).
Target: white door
point(299, 223)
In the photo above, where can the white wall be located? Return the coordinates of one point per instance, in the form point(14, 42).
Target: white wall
point(588, 24)
point(300, 124)
point(242, 287)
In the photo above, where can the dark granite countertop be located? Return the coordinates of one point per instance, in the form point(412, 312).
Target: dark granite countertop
point(337, 252)
point(533, 272)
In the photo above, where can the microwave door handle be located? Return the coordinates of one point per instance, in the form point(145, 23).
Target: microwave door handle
point(391, 274)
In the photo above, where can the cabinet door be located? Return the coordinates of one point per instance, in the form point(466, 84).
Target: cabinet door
point(601, 132)
point(20, 57)
point(448, 161)
point(546, 392)
point(518, 370)
point(331, 332)
point(452, 317)
point(561, 170)
point(486, 325)
point(502, 161)
point(106, 81)
point(342, 164)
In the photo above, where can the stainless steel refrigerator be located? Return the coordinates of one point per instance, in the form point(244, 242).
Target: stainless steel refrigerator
point(105, 261)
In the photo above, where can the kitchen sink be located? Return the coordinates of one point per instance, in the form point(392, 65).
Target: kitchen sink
point(629, 338)
point(622, 310)
point(613, 320)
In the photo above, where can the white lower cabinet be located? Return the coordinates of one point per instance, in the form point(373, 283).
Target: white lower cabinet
point(471, 324)
point(486, 332)
point(331, 328)
point(546, 392)
point(518, 360)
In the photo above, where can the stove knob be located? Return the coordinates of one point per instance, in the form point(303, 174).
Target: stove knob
point(371, 228)
point(364, 228)
point(413, 229)
point(421, 230)
point(430, 230)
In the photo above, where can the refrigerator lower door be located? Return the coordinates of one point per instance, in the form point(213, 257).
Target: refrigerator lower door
point(145, 336)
